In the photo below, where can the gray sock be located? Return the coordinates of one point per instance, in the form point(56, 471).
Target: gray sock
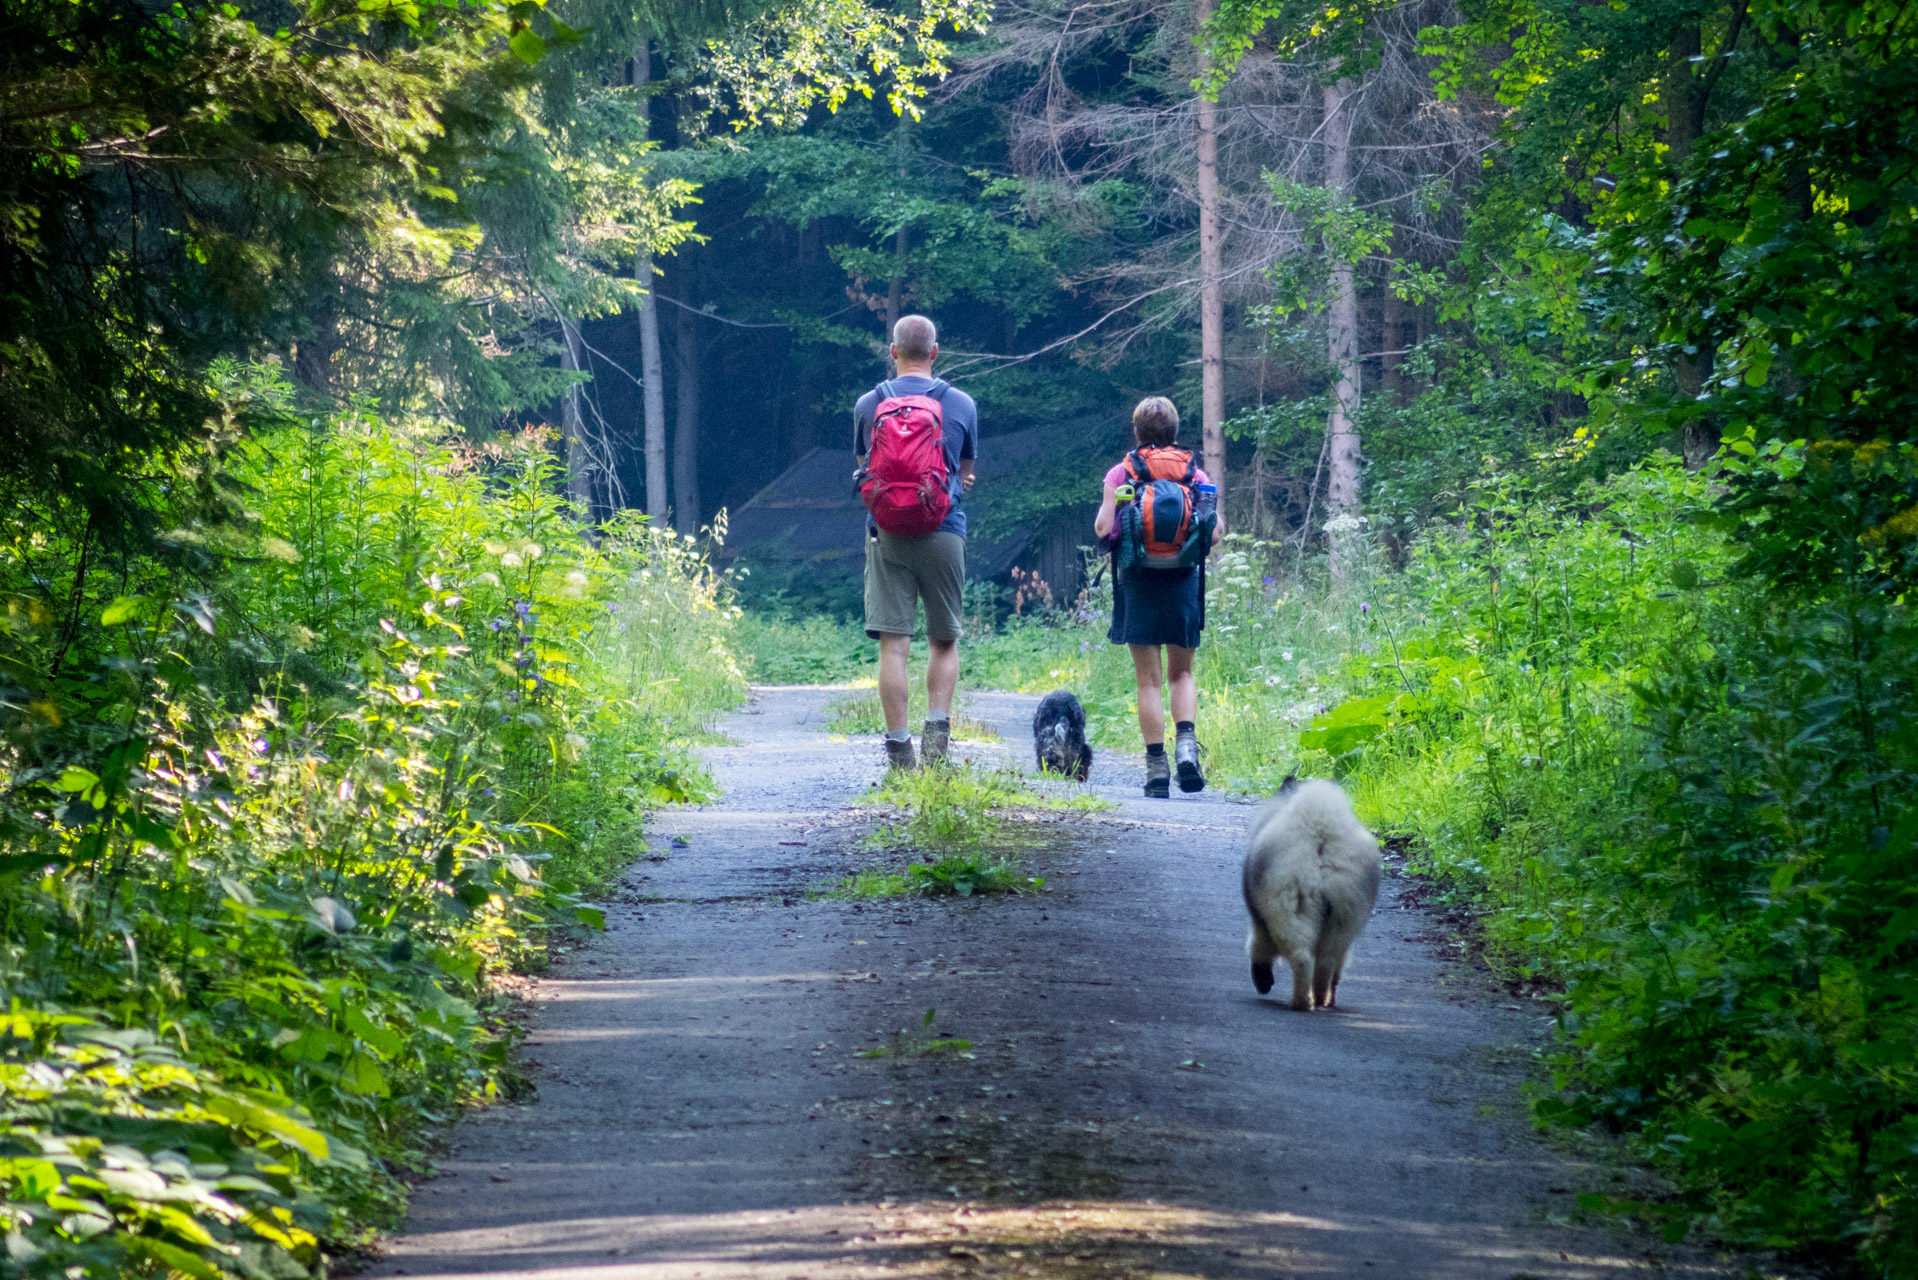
point(938, 717)
point(898, 735)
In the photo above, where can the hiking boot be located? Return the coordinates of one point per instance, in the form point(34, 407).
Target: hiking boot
point(934, 740)
point(1158, 777)
point(1186, 756)
point(899, 755)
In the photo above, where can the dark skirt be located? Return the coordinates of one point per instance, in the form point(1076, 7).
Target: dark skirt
point(1159, 606)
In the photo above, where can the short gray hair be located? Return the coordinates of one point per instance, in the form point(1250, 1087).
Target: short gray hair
point(915, 337)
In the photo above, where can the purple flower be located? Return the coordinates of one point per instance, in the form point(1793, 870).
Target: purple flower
point(261, 746)
point(1364, 609)
point(496, 624)
point(522, 608)
point(1084, 645)
point(1268, 580)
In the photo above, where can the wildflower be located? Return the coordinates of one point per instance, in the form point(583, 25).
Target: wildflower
point(261, 746)
point(1085, 646)
point(1268, 579)
point(1364, 609)
point(496, 624)
point(522, 608)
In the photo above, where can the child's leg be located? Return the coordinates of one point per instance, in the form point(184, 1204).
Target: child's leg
point(1145, 665)
point(1185, 686)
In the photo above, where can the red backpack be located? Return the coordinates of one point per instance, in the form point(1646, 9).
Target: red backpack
point(905, 484)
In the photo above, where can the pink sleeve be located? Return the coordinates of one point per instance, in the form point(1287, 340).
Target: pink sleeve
point(1116, 476)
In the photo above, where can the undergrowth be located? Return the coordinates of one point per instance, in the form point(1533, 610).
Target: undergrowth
point(778, 648)
point(283, 804)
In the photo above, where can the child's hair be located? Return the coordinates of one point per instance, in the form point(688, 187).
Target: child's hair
point(1155, 422)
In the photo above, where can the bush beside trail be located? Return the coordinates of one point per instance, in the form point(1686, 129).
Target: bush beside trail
point(291, 802)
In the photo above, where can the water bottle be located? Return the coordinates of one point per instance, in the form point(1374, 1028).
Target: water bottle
point(1205, 501)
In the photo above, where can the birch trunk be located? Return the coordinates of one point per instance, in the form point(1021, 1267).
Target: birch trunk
point(651, 375)
point(1211, 296)
point(1342, 349)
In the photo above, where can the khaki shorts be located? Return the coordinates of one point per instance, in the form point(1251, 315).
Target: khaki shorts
point(902, 571)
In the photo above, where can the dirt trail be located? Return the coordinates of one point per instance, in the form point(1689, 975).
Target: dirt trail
point(1131, 1108)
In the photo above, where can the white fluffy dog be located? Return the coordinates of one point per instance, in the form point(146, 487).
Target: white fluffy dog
point(1311, 877)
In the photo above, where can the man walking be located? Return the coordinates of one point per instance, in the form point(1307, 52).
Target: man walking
point(912, 477)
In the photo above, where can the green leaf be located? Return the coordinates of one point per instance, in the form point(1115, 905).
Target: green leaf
point(527, 46)
point(122, 608)
point(591, 917)
point(385, 1042)
point(173, 1257)
point(363, 1076)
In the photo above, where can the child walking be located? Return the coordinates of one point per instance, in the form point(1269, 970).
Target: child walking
point(1158, 586)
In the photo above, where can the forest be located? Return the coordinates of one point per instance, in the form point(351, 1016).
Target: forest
point(380, 380)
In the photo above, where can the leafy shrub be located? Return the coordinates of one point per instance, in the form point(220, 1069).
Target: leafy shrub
point(779, 648)
point(279, 812)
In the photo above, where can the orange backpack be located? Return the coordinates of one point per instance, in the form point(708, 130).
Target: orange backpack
point(1160, 515)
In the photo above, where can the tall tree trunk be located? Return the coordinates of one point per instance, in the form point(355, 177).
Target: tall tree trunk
point(1684, 122)
point(1392, 328)
point(1342, 349)
point(579, 458)
point(689, 364)
point(313, 356)
point(901, 240)
point(651, 375)
point(1211, 295)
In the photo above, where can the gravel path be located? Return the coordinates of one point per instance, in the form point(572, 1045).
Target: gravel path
point(1130, 1108)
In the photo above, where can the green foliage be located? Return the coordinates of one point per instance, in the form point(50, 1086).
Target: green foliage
point(785, 649)
point(971, 816)
point(963, 875)
point(273, 830)
point(863, 714)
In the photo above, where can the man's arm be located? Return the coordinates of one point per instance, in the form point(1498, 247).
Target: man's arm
point(965, 474)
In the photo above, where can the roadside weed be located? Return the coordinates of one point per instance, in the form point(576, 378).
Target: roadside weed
point(910, 1044)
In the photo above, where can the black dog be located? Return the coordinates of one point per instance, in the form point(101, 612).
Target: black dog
point(1059, 735)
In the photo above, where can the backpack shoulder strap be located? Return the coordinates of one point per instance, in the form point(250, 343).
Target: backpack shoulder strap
point(938, 389)
point(1135, 467)
point(1191, 467)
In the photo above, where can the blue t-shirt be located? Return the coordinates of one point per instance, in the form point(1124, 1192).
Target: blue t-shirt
point(961, 419)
